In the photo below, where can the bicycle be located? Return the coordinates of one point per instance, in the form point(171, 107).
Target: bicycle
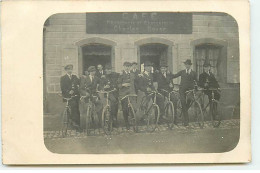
point(196, 106)
point(131, 112)
point(91, 116)
point(212, 104)
point(107, 118)
point(152, 113)
point(66, 116)
point(169, 109)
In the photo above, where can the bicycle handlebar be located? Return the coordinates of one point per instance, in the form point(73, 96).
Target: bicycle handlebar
point(68, 99)
point(129, 95)
point(106, 92)
point(155, 92)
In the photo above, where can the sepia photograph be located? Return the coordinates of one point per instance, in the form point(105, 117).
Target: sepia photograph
point(141, 83)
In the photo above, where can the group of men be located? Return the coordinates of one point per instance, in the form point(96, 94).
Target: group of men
point(132, 81)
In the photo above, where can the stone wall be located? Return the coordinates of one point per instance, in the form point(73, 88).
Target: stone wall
point(63, 31)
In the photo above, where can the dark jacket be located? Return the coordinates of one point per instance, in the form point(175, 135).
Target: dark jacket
point(109, 79)
point(67, 84)
point(99, 74)
point(126, 78)
point(187, 80)
point(86, 86)
point(208, 80)
point(146, 81)
point(164, 83)
point(136, 73)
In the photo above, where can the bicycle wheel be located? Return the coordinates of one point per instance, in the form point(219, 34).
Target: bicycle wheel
point(179, 115)
point(88, 120)
point(153, 115)
point(215, 116)
point(107, 120)
point(198, 114)
point(65, 122)
point(132, 118)
point(169, 112)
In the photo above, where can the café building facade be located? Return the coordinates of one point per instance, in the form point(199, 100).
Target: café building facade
point(98, 38)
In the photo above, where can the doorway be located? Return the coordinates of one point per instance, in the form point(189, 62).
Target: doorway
point(156, 53)
point(94, 54)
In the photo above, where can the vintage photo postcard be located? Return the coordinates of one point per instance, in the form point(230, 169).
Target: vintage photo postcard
point(125, 82)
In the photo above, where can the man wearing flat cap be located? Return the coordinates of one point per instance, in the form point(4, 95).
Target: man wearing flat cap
point(108, 82)
point(188, 82)
point(126, 87)
point(69, 84)
point(207, 80)
point(88, 89)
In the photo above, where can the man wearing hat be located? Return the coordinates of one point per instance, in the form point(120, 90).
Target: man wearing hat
point(88, 88)
point(108, 82)
point(207, 80)
point(126, 86)
point(69, 84)
point(100, 72)
point(146, 84)
point(188, 82)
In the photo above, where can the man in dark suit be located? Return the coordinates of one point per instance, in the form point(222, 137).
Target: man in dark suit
point(136, 72)
point(69, 84)
point(88, 89)
point(165, 84)
point(207, 80)
point(146, 84)
point(100, 72)
point(108, 82)
point(126, 87)
point(188, 81)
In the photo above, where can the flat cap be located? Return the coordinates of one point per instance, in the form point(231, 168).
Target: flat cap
point(69, 66)
point(126, 63)
point(92, 68)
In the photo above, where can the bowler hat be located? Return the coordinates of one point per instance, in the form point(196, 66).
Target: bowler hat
point(126, 63)
point(69, 66)
point(188, 62)
point(206, 64)
point(148, 63)
point(92, 68)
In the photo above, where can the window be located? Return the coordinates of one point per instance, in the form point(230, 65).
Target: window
point(213, 54)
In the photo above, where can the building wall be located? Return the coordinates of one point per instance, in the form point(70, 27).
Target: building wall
point(64, 31)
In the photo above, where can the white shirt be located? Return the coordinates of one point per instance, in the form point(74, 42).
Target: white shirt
point(164, 74)
point(69, 76)
point(188, 71)
point(91, 78)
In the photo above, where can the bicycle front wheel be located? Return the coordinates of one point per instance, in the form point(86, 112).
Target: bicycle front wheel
point(107, 121)
point(65, 122)
point(169, 112)
point(179, 115)
point(88, 120)
point(215, 116)
point(153, 115)
point(132, 117)
point(198, 114)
